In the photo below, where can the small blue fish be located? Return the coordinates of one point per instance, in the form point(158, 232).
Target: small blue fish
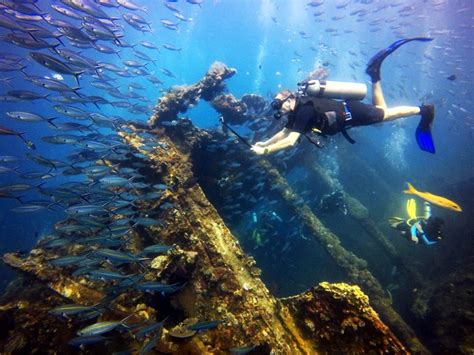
point(146, 222)
point(148, 329)
point(160, 186)
point(115, 181)
point(102, 327)
point(154, 286)
point(155, 249)
point(70, 309)
point(67, 260)
point(205, 325)
point(106, 275)
point(166, 205)
point(242, 350)
point(80, 342)
point(195, 2)
point(117, 256)
point(79, 210)
point(92, 314)
point(151, 344)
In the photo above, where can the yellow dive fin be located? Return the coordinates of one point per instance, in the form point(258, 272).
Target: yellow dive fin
point(411, 208)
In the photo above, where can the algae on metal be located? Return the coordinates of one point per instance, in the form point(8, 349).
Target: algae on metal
point(354, 319)
point(180, 98)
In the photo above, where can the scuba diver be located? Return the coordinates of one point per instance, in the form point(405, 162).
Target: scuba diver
point(315, 108)
point(415, 227)
point(266, 226)
point(332, 203)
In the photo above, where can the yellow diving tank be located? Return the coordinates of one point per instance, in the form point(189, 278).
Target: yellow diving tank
point(335, 89)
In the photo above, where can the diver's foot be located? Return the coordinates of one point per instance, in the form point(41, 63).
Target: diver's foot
point(396, 222)
point(427, 113)
point(373, 68)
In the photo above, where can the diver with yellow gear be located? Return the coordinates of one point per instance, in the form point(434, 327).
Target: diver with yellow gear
point(424, 227)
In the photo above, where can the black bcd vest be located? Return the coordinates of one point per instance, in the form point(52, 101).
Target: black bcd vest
point(327, 125)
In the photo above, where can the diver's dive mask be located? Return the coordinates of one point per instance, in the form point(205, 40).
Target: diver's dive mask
point(277, 104)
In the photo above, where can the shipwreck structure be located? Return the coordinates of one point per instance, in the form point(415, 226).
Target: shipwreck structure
point(219, 283)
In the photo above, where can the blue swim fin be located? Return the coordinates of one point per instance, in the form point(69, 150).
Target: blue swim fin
point(373, 67)
point(423, 131)
point(425, 140)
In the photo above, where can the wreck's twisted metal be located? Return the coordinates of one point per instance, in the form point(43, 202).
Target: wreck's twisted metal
point(180, 98)
point(219, 281)
point(235, 111)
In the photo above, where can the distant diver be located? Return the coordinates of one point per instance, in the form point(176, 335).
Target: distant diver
point(314, 108)
point(416, 228)
point(332, 203)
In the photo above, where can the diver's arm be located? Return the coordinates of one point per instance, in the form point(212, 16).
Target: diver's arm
point(279, 136)
point(426, 240)
point(413, 234)
point(289, 140)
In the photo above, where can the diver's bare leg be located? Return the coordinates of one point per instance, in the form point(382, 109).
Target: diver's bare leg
point(394, 112)
point(377, 95)
point(400, 111)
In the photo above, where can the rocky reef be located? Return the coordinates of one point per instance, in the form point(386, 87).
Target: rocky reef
point(211, 297)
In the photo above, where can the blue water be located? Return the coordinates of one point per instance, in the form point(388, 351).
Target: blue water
point(273, 45)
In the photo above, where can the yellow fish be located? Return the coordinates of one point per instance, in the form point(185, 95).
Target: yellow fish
point(434, 199)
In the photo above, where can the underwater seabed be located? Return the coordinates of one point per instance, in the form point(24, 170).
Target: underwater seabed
point(219, 282)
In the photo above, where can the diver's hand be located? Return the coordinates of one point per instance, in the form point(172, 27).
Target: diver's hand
point(414, 239)
point(260, 144)
point(258, 150)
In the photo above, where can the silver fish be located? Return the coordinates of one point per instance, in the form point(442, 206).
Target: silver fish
point(55, 64)
point(101, 328)
point(26, 41)
point(131, 6)
point(63, 10)
point(29, 117)
point(51, 84)
point(86, 6)
point(10, 23)
point(77, 59)
point(149, 45)
point(27, 95)
point(197, 2)
point(133, 63)
point(170, 47)
point(72, 111)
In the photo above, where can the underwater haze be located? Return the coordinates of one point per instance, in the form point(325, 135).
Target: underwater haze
point(70, 77)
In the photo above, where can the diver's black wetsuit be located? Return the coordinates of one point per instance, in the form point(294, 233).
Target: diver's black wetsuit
point(328, 115)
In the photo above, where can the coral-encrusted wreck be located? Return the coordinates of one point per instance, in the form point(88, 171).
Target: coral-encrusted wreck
point(218, 281)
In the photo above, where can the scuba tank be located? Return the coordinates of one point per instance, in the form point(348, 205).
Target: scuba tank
point(427, 210)
point(330, 90)
point(333, 89)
